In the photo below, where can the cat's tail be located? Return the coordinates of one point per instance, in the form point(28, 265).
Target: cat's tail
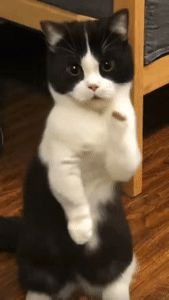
point(10, 228)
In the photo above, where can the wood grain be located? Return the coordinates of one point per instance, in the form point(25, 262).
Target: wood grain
point(156, 74)
point(31, 12)
point(26, 104)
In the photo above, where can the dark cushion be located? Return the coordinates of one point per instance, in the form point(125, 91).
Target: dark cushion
point(156, 29)
point(92, 8)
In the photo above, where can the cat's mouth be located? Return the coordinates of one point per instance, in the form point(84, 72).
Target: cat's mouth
point(95, 103)
point(95, 97)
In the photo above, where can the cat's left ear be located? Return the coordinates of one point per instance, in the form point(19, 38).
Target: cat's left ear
point(53, 33)
point(119, 23)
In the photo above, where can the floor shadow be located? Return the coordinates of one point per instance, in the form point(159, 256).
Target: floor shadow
point(22, 54)
point(156, 110)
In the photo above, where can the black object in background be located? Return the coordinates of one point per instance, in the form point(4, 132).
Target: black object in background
point(92, 8)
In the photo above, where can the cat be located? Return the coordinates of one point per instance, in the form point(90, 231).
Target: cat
point(73, 231)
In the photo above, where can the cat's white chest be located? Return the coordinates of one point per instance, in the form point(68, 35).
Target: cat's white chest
point(83, 130)
point(73, 147)
point(97, 183)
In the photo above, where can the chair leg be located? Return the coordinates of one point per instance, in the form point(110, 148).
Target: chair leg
point(1, 139)
point(134, 187)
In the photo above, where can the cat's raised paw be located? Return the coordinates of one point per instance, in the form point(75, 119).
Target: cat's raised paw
point(81, 230)
point(118, 116)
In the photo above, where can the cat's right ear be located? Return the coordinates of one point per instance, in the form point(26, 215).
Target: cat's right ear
point(53, 33)
point(119, 23)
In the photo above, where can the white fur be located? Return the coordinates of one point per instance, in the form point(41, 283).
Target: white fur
point(37, 296)
point(66, 292)
point(81, 230)
point(87, 150)
point(63, 150)
point(90, 289)
point(120, 25)
point(119, 289)
point(123, 156)
point(53, 36)
point(84, 151)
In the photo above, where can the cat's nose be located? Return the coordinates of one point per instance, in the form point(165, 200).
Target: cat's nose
point(93, 87)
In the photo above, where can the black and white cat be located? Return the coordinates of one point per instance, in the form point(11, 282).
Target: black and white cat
point(74, 231)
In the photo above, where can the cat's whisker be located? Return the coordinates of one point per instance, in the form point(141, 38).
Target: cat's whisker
point(106, 39)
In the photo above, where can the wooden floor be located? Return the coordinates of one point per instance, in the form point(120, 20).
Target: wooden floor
point(25, 106)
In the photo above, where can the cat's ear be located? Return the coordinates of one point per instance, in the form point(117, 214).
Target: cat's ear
point(119, 23)
point(53, 33)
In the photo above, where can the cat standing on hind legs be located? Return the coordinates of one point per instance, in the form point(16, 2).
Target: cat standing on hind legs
point(73, 231)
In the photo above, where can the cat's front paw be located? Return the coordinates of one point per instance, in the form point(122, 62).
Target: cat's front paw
point(119, 116)
point(81, 230)
point(119, 121)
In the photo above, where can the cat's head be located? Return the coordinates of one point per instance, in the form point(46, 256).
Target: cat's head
point(88, 60)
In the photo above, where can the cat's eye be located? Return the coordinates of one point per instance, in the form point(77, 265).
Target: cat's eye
point(74, 70)
point(107, 66)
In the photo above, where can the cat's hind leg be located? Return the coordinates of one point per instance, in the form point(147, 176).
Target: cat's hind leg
point(37, 296)
point(116, 292)
point(66, 292)
point(119, 289)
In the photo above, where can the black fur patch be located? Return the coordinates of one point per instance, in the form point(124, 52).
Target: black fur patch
point(67, 52)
